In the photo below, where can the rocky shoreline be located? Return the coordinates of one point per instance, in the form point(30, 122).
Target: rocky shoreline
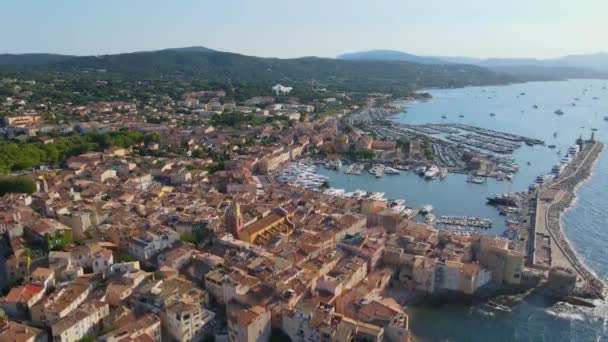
point(594, 287)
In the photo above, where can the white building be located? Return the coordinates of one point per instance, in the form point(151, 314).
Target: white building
point(150, 243)
point(81, 322)
point(185, 321)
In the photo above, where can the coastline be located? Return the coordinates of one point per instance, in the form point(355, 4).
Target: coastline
point(565, 188)
point(564, 197)
point(539, 316)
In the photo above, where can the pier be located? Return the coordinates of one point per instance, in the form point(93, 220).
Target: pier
point(552, 200)
point(449, 142)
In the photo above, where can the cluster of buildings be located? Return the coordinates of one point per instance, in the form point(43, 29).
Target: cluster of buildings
point(108, 248)
point(120, 246)
point(193, 111)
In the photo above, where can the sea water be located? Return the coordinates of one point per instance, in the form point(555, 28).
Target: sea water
point(585, 224)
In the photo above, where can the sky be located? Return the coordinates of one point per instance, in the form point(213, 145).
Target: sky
point(295, 28)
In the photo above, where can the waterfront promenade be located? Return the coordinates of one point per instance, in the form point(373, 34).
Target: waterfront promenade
point(553, 199)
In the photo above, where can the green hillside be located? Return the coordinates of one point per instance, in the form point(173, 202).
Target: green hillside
point(220, 66)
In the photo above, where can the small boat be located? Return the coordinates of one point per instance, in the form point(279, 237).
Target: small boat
point(606, 118)
point(528, 163)
point(535, 106)
point(492, 114)
point(595, 98)
point(559, 112)
point(594, 129)
point(529, 143)
point(555, 134)
point(573, 104)
point(391, 171)
point(444, 117)
point(461, 116)
point(475, 180)
point(551, 146)
point(522, 94)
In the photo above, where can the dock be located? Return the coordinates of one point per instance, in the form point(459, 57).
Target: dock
point(550, 247)
point(449, 142)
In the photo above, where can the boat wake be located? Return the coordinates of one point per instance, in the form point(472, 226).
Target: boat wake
point(485, 313)
point(566, 315)
point(571, 312)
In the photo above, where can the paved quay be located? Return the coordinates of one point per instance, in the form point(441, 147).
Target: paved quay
point(553, 199)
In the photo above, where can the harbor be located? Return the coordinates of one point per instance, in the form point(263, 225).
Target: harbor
point(583, 224)
point(450, 146)
point(529, 216)
point(509, 204)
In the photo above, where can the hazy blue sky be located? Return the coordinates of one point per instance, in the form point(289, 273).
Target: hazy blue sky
point(290, 28)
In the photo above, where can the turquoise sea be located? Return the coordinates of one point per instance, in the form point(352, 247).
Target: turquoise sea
point(586, 224)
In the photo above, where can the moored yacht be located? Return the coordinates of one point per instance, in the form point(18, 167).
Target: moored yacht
point(420, 170)
point(557, 169)
point(391, 171)
point(542, 179)
point(432, 172)
point(377, 170)
point(475, 180)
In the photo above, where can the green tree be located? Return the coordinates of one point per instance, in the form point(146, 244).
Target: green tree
point(20, 184)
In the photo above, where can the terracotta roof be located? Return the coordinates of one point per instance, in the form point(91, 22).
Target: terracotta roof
point(259, 225)
point(15, 332)
point(23, 294)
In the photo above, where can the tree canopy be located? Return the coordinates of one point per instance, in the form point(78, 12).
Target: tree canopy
point(17, 156)
point(22, 184)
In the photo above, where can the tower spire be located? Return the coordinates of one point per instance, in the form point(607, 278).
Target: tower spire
point(233, 219)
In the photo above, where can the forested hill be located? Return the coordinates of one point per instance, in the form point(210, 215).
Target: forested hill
point(214, 65)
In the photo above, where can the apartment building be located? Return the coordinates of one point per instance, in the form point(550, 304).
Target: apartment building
point(83, 321)
point(248, 324)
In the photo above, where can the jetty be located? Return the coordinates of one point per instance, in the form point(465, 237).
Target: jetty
point(551, 248)
point(450, 143)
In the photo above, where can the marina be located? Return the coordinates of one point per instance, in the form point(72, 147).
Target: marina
point(582, 224)
point(451, 144)
point(302, 174)
point(509, 217)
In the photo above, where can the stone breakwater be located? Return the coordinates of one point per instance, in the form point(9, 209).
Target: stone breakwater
point(568, 183)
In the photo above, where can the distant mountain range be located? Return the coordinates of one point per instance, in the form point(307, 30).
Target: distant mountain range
point(391, 55)
point(204, 63)
point(382, 70)
point(573, 66)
